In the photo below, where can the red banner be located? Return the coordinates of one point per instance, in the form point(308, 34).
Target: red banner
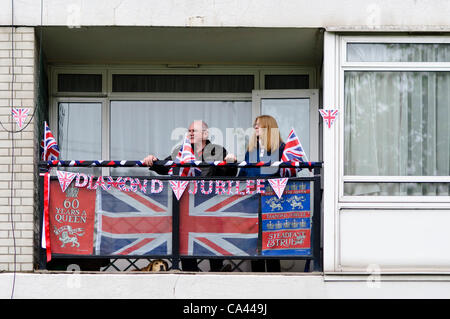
point(72, 220)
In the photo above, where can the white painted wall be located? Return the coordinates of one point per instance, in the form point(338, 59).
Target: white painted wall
point(213, 286)
point(396, 240)
point(398, 14)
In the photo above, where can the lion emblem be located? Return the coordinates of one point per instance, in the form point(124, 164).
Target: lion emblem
point(67, 235)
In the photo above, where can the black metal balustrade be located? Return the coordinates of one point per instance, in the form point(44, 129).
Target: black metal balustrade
point(175, 256)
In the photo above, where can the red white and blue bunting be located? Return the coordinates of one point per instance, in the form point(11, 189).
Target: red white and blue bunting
point(329, 116)
point(111, 163)
point(154, 186)
point(20, 115)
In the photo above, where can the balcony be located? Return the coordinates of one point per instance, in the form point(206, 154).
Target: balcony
point(121, 223)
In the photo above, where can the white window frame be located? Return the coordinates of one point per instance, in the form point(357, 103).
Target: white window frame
point(55, 71)
point(343, 66)
point(106, 96)
point(312, 95)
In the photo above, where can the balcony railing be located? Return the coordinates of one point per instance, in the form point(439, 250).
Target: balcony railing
point(174, 218)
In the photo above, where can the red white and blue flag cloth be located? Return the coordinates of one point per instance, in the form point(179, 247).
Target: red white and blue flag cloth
point(186, 155)
point(65, 178)
point(278, 185)
point(133, 223)
point(49, 147)
point(138, 224)
point(329, 116)
point(219, 225)
point(293, 152)
point(20, 115)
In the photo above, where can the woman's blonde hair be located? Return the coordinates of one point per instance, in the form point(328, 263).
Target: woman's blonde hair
point(270, 138)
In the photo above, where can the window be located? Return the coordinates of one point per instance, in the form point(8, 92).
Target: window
point(396, 115)
point(159, 126)
point(79, 83)
point(119, 114)
point(182, 83)
point(398, 52)
point(79, 130)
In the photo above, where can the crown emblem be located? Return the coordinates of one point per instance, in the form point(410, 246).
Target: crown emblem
point(286, 224)
point(72, 191)
point(270, 225)
point(303, 223)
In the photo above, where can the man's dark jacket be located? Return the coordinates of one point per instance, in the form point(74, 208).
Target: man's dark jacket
point(211, 152)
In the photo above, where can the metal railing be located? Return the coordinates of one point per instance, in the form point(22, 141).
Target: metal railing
point(176, 255)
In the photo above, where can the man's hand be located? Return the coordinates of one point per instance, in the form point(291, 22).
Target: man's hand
point(230, 158)
point(148, 161)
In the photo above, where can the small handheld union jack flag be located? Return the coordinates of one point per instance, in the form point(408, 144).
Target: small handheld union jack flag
point(49, 147)
point(20, 115)
point(186, 155)
point(293, 152)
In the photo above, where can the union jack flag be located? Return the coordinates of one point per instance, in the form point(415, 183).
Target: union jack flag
point(20, 116)
point(49, 147)
point(186, 155)
point(218, 225)
point(293, 152)
point(65, 178)
point(134, 223)
point(329, 116)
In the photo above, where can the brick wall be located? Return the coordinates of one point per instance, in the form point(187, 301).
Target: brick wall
point(17, 160)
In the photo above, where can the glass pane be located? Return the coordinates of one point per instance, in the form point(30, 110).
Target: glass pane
point(79, 82)
point(79, 131)
point(139, 128)
point(396, 123)
point(397, 189)
point(290, 114)
point(182, 83)
point(286, 81)
point(398, 52)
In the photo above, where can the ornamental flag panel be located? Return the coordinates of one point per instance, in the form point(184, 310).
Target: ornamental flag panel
point(123, 216)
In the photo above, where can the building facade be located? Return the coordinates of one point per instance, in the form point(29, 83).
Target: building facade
point(106, 74)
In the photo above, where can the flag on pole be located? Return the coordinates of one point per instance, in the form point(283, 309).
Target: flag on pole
point(293, 152)
point(49, 147)
point(186, 155)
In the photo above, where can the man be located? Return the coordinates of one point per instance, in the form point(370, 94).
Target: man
point(204, 151)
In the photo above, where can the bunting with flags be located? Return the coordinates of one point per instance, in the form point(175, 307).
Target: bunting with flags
point(329, 116)
point(20, 115)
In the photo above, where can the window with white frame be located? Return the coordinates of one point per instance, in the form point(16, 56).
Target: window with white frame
point(396, 116)
point(128, 114)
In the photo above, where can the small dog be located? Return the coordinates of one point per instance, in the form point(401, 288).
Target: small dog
point(156, 265)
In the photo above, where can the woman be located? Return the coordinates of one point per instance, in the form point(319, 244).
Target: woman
point(265, 145)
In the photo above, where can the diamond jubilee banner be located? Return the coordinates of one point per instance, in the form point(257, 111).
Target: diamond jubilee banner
point(114, 216)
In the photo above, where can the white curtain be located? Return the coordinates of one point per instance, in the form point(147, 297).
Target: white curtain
point(398, 52)
point(139, 128)
point(397, 124)
point(80, 133)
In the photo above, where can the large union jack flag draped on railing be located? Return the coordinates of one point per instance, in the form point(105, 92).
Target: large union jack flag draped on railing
point(219, 225)
point(293, 152)
point(49, 147)
point(134, 223)
point(140, 223)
